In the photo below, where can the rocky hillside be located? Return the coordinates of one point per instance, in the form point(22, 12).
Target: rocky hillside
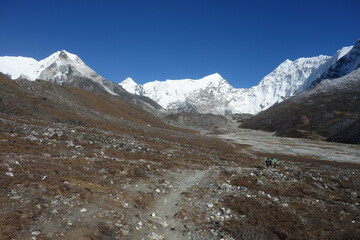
point(328, 111)
point(82, 165)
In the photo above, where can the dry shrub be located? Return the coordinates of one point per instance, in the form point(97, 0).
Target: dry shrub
point(352, 234)
point(272, 218)
point(241, 231)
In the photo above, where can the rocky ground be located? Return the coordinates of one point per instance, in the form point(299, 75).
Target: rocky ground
point(108, 171)
point(68, 181)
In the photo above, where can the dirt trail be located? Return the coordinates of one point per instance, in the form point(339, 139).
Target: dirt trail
point(165, 208)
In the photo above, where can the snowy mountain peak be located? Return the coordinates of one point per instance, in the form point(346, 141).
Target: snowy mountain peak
point(61, 56)
point(323, 68)
point(342, 52)
point(131, 86)
point(60, 67)
point(210, 94)
point(347, 60)
point(170, 92)
point(130, 81)
point(213, 77)
point(213, 94)
point(16, 66)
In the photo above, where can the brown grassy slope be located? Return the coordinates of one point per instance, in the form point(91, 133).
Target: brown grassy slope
point(51, 103)
point(47, 101)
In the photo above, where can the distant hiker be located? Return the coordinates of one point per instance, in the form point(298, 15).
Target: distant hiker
point(271, 162)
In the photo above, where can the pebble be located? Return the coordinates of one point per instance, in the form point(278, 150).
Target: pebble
point(83, 210)
point(154, 236)
point(35, 233)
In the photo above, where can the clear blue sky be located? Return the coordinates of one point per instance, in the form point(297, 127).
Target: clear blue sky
point(173, 39)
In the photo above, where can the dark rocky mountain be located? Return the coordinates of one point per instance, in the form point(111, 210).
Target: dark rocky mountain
point(329, 111)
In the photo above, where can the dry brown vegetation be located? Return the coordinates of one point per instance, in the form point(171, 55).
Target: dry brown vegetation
point(300, 200)
point(78, 165)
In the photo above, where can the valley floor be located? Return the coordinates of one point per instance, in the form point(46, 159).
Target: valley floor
point(266, 142)
point(70, 180)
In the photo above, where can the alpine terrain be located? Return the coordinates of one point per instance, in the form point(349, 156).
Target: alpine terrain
point(81, 158)
point(328, 110)
point(76, 164)
point(213, 94)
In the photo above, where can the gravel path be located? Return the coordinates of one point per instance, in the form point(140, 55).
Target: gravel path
point(166, 207)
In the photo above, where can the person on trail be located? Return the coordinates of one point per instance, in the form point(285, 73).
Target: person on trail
point(271, 162)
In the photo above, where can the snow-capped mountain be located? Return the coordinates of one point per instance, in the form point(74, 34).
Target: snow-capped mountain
point(60, 67)
point(213, 94)
point(131, 86)
point(347, 63)
point(323, 68)
point(14, 67)
point(329, 111)
point(65, 68)
point(210, 94)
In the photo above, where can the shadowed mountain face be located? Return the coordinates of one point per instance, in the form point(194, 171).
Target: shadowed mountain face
point(345, 65)
point(330, 111)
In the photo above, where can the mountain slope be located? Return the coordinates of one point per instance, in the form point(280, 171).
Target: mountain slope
point(49, 102)
point(67, 69)
point(329, 111)
point(324, 68)
point(346, 64)
point(213, 94)
point(14, 67)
